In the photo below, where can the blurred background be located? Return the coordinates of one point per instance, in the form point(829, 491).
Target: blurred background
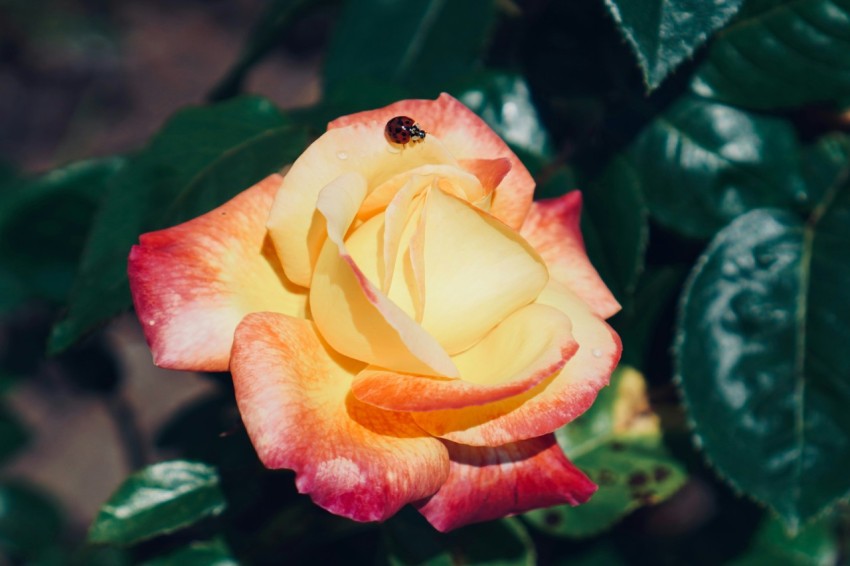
point(635, 103)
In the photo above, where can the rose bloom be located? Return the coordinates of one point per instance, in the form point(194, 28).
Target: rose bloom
point(403, 324)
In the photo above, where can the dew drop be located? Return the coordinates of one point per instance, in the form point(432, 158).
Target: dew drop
point(597, 353)
point(341, 155)
point(393, 149)
point(151, 322)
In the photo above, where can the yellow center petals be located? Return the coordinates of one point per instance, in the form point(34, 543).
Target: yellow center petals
point(529, 346)
point(476, 271)
point(352, 314)
point(295, 226)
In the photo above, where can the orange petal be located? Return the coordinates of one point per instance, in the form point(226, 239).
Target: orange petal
point(352, 314)
point(552, 227)
point(352, 459)
point(467, 137)
point(552, 403)
point(490, 483)
point(193, 283)
point(295, 226)
point(527, 347)
point(490, 172)
point(476, 271)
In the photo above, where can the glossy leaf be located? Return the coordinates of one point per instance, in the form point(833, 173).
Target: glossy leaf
point(418, 44)
point(779, 54)
point(615, 224)
point(30, 523)
point(701, 164)
point(761, 359)
point(157, 500)
point(409, 540)
point(816, 545)
point(504, 101)
point(201, 158)
point(208, 553)
point(43, 222)
point(617, 443)
point(663, 33)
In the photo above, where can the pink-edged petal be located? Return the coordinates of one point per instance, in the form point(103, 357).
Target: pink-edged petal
point(527, 347)
point(352, 459)
point(193, 283)
point(353, 315)
point(467, 137)
point(550, 404)
point(476, 271)
point(294, 224)
point(490, 483)
point(552, 227)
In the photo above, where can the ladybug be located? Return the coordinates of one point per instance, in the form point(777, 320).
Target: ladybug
point(403, 130)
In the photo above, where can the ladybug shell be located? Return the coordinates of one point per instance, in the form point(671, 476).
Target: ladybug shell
point(398, 129)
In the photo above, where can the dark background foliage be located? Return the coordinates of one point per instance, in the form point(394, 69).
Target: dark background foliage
point(709, 140)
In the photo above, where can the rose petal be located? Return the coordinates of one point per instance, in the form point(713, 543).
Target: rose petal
point(352, 459)
point(295, 226)
point(193, 283)
point(351, 312)
point(489, 483)
point(552, 227)
point(552, 403)
point(527, 347)
point(467, 137)
point(476, 271)
point(490, 172)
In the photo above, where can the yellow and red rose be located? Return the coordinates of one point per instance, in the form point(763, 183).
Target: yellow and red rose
point(403, 325)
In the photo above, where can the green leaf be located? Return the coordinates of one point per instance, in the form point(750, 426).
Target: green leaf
point(30, 523)
point(157, 500)
point(409, 540)
point(202, 157)
point(43, 221)
point(816, 545)
point(618, 444)
point(760, 355)
point(780, 53)
point(417, 44)
point(503, 100)
point(701, 164)
point(663, 33)
point(208, 553)
point(13, 434)
point(615, 224)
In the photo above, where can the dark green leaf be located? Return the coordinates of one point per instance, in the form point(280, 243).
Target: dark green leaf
point(615, 224)
point(410, 540)
point(816, 545)
point(503, 100)
point(160, 499)
point(13, 435)
point(209, 553)
point(701, 164)
point(30, 523)
point(418, 44)
point(780, 53)
point(617, 443)
point(202, 158)
point(663, 33)
point(760, 355)
point(43, 222)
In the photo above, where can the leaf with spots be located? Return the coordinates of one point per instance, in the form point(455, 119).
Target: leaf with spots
point(760, 354)
point(663, 33)
point(618, 444)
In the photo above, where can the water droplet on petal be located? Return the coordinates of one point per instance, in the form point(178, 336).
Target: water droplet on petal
point(393, 149)
point(597, 353)
point(341, 155)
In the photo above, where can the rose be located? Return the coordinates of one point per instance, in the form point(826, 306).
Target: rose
point(403, 324)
